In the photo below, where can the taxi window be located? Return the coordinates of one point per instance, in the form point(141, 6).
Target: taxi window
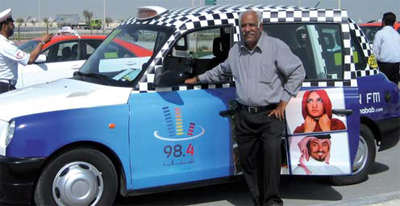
point(359, 58)
point(319, 47)
point(61, 52)
point(29, 46)
point(199, 51)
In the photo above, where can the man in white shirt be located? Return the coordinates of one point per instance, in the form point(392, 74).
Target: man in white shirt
point(386, 48)
point(315, 155)
point(10, 55)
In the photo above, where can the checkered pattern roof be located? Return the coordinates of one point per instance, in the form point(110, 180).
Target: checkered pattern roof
point(186, 19)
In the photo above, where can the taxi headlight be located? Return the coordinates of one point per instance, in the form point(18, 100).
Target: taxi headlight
point(10, 132)
point(7, 134)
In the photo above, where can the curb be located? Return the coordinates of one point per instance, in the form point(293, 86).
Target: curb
point(385, 197)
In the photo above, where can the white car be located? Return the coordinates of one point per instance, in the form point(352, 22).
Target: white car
point(59, 58)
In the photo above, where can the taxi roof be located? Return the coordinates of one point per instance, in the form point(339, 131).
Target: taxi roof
point(225, 14)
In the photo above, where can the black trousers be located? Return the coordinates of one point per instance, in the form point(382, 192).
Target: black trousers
point(259, 143)
point(5, 87)
point(391, 70)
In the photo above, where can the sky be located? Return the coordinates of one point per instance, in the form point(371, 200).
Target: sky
point(359, 10)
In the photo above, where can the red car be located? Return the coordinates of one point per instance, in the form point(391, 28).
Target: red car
point(65, 54)
point(371, 28)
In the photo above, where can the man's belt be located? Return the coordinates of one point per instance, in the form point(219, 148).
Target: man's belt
point(255, 110)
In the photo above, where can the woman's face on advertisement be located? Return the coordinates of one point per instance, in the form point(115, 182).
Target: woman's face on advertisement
point(315, 105)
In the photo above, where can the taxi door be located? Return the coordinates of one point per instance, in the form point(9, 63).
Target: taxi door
point(180, 136)
point(323, 119)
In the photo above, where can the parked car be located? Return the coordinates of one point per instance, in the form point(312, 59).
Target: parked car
point(370, 29)
point(129, 125)
point(60, 58)
point(64, 55)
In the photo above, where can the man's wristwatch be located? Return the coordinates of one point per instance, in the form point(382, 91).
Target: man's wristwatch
point(197, 78)
point(43, 43)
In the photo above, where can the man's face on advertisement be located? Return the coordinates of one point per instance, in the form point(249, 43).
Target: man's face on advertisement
point(319, 149)
point(315, 106)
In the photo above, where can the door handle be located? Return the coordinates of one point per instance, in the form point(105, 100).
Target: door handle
point(346, 112)
point(75, 67)
point(129, 63)
point(226, 113)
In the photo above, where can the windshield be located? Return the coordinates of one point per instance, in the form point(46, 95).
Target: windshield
point(29, 46)
point(120, 58)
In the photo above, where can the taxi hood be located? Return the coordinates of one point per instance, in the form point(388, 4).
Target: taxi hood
point(59, 95)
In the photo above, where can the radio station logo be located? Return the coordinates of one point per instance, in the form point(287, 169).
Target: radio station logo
point(177, 129)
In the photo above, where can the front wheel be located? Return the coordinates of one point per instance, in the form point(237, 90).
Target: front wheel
point(363, 161)
point(77, 177)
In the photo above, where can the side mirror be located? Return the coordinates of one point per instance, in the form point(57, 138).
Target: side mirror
point(41, 58)
point(170, 78)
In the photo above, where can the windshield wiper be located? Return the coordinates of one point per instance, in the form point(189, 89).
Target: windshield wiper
point(92, 75)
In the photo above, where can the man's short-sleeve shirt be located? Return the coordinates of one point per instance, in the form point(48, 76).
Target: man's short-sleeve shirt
point(10, 56)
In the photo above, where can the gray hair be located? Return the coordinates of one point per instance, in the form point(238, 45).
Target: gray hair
point(258, 14)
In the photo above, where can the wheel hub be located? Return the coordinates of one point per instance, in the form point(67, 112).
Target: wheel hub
point(361, 156)
point(77, 183)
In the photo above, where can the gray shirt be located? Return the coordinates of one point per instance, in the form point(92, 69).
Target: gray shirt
point(266, 75)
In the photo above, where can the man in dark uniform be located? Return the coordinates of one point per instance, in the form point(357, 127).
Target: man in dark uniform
point(267, 74)
point(10, 55)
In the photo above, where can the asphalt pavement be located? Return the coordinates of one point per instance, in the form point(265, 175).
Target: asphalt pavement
point(381, 189)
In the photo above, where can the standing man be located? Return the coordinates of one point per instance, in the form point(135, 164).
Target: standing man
point(386, 48)
point(10, 55)
point(267, 74)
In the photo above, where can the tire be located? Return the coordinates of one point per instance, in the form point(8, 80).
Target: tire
point(77, 177)
point(363, 161)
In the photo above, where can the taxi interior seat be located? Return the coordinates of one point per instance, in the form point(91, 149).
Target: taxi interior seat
point(220, 52)
point(328, 44)
point(66, 54)
point(303, 53)
point(74, 52)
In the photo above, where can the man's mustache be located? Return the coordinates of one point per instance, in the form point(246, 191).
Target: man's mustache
point(249, 33)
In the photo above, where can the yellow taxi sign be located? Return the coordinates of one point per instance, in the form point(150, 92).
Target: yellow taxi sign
point(372, 61)
point(148, 12)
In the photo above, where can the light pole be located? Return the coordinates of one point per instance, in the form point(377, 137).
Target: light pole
point(104, 16)
point(39, 12)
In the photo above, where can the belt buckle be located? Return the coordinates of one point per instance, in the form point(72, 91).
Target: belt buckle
point(253, 110)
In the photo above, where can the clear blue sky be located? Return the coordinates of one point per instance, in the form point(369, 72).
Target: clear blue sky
point(359, 10)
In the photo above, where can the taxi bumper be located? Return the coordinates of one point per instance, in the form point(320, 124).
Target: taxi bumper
point(389, 132)
point(17, 178)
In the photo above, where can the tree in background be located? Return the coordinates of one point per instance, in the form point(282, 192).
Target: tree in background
point(33, 22)
point(88, 16)
point(27, 20)
point(19, 23)
point(108, 21)
point(46, 22)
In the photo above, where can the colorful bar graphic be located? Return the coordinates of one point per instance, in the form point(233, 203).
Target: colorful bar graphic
point(168, 119)
point(191, 128)
point(178, 121)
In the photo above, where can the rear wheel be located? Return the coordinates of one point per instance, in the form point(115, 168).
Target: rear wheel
point(363, 161)
point(77, 177)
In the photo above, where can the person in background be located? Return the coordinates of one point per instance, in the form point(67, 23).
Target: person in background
point(10, 55)
point(386, 48)
point(267, 74)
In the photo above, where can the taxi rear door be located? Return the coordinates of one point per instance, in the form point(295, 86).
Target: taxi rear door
point(322, 121)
